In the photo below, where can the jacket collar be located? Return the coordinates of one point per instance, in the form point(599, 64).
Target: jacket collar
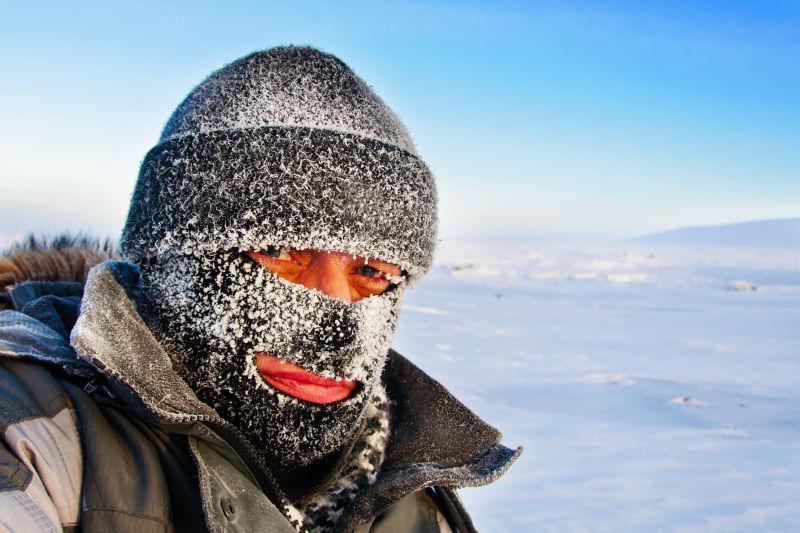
point(111, 335)
point(434, 439)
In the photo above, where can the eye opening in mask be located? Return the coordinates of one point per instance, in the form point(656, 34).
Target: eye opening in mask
point(339, 275)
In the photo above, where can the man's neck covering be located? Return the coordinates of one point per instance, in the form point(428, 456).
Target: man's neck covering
point(286, 148)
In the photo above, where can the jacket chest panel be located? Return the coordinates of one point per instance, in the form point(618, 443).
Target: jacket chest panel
point(231, 501)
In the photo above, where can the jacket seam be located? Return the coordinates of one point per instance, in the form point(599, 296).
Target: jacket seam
point(127, 513)
point(28, 475)
point(6, 423)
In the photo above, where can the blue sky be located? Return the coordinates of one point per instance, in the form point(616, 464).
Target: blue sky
point(565, 119)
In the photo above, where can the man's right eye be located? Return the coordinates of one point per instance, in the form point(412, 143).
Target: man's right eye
point(287, 263)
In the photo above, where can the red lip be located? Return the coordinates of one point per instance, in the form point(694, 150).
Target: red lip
point(301, 384)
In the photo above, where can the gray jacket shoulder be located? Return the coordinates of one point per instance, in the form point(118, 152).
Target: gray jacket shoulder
point(41, 464)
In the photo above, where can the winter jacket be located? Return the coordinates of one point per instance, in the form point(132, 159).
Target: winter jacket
point(100, 434)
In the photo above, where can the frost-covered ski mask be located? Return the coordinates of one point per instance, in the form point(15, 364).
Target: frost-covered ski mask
point(218, 311)
point(289, 148)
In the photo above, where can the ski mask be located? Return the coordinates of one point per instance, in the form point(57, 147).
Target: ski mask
point(217, 311)
point(286, 147)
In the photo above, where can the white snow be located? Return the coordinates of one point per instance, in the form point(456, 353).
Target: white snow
point(606, 379)
point(742, 285)
point(651, 393)
point(424, 310)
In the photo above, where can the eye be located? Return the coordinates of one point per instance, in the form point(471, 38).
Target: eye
point(277, 252)
point(370, 272)
point(287, 263)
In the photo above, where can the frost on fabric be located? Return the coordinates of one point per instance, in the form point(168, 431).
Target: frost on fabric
point(287, 86)
point(217, 311)
point(301, 188)
point(360, 470)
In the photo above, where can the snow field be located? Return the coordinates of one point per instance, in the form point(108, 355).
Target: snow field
point(651, 389)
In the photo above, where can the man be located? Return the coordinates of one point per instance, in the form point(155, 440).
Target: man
point(235, 373)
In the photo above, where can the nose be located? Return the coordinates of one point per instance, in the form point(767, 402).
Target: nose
point(328, 273)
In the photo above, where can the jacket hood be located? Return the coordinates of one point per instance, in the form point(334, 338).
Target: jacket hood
point(434, 439)
point(62, 258)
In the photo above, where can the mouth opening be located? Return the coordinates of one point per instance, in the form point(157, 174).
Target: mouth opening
point(299, 383)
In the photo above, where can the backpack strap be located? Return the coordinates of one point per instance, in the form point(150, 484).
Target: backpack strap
point(451, 507)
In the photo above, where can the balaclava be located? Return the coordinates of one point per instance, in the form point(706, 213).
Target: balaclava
point(282, 148)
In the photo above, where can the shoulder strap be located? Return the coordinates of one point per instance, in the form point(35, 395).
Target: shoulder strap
point(451, 507)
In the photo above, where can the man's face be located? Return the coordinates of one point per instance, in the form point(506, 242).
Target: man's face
point(341, 276)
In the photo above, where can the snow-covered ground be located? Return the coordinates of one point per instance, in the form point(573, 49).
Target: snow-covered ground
point(653, 388)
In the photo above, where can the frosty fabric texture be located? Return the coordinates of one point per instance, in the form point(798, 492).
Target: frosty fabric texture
point(361, 470)
point(214, 313)
point(287, 86)
point(285, 147)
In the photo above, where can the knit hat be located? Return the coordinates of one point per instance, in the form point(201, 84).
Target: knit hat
point(285, 147)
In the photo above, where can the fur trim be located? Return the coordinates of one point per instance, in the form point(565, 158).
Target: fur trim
point(61, 258)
